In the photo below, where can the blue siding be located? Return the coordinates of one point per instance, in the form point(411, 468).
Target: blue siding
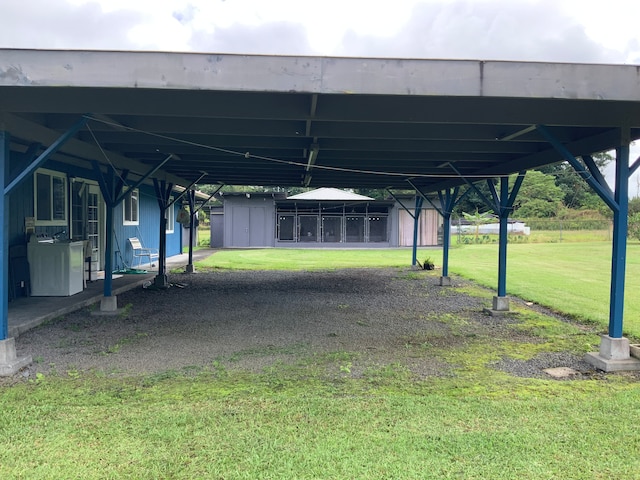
point(21, 206)
point(148, 230)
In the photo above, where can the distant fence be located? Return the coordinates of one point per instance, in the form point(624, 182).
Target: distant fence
point(571, 224)
point(543, 230)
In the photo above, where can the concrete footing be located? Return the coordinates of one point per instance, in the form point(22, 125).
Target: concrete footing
point(10, 363)
point(614, 355)
point(445, 281)
point(500, 306)
point(189, 268)
point(161, 281)
point(108, 306)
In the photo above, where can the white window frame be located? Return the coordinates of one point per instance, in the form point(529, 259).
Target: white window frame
point(170, 216)
point(61, 222)
point(126, 212)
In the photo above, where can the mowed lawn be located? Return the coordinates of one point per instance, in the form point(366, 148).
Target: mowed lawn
point(573, 278)
point(317, 418)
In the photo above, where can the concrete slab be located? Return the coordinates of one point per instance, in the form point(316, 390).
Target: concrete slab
point(26, 313)
point(561, 372)
point(634, 350)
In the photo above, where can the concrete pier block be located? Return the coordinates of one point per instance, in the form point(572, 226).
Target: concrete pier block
point(161, 281)
point(445, 281)
point(108, 306)
point(500, 306)
point(10, 363)
point(614, 348)
point(614, 355)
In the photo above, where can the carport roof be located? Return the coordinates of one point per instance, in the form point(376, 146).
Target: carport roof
point(314, 121)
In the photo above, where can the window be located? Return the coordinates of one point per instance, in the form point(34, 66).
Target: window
point(286, 228)
point(50, 203)
point(169, 215)
point(331, 228)
point(378, 228)
point(130, 208)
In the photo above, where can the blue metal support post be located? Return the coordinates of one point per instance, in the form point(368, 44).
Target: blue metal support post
point(10, 363)
point(502, 242)
point(191, 198)
point(416, 226)
point(4, 238)
point(448, 200)
point(111, 190)
point(108, 247)
point(163, 193)
point(619, 251)
point(504, 201)
point(614, 354)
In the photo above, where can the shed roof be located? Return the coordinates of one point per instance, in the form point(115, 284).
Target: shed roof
point(328, 194)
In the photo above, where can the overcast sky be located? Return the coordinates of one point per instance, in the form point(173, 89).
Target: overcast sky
point(545, 30)
point(531, 30)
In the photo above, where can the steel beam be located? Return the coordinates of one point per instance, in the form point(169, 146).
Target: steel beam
point(587, 174)
point(44, 156)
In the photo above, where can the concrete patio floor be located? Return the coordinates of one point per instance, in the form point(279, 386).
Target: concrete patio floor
point(26, 313)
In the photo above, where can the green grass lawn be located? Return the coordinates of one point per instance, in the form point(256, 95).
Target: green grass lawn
point(311, 259)
point(573, 278)
point(304, 421)
point(294, 424)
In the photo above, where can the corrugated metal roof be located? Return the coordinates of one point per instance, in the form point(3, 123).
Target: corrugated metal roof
point(326, 193)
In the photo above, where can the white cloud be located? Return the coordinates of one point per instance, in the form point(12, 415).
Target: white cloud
point(545, 30)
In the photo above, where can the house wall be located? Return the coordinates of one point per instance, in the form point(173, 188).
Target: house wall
point(21, 205)
point(147, 231)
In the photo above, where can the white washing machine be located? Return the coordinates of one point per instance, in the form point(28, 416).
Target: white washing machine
point(56, 268)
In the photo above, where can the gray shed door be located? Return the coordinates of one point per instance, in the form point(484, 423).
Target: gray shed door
point(217, 230)
point(249, 227)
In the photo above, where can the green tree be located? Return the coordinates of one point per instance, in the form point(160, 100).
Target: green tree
point(576, 191)
point(477, 219)
point(539, 196)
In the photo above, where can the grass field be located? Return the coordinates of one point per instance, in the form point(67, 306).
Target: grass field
point(573, 278)
point(296, 421)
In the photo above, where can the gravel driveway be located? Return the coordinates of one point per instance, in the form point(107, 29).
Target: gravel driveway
point(251, 319)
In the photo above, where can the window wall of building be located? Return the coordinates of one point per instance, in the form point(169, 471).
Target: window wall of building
point(330, 222)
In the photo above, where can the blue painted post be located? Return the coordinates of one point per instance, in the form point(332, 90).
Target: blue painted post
point(619, 253)
point(502, 243)
point(416, 226)
point(4, 239)
point(108, 244)
point(108, 252)
point(446, 239)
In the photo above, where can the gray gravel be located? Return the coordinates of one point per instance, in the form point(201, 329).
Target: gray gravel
point(253, 319)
